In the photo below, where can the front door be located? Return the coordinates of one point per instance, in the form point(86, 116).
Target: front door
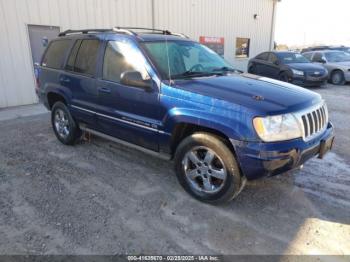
point(127, 112)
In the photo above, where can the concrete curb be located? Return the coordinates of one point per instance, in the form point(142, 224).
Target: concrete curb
point(21, 111)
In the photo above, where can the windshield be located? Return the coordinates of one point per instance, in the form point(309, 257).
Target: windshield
point(289, 58)
point(335, 57)
point(186, 59)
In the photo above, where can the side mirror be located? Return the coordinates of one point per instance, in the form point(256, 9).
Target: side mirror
point(277, 62)
point(134, 78)
point(323, 61)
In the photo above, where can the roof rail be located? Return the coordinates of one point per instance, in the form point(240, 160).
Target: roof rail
point(123, 30)
point(130, 29)
point(82, 31)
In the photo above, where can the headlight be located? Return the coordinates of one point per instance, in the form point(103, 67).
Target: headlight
point(297, 72)
point(277, 128)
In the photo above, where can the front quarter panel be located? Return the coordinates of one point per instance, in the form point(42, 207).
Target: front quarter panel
point(181, 106)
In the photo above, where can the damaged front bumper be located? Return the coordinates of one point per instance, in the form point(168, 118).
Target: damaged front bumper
point(259, 159)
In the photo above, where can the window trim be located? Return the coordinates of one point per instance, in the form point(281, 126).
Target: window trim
point(70, 52)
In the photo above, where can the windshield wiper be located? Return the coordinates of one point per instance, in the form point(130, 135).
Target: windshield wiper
point(191, 74)
point(225, 69)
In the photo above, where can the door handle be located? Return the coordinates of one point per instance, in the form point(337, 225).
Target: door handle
point(104, 90)
point(64, 79)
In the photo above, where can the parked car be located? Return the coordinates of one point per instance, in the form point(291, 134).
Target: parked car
point(322, 48)
point(288, 67)
point(337, 63)
point(175, 98)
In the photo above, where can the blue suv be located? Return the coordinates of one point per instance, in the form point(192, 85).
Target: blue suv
point(172, 97)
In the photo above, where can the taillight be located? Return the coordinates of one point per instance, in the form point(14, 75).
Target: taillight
point(37, 81)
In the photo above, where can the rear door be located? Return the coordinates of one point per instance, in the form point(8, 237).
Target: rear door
point(79, 78)
point(272, 67)
point(51, 66)
point(127, 112)
point(260, 63)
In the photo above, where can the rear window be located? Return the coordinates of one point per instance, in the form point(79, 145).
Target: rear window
point(85, 61)
point(56, 53)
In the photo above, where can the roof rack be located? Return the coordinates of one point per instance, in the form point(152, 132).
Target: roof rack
point(123, 30)
point(83, 31)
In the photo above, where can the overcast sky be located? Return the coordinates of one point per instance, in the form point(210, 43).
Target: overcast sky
point(300, 22)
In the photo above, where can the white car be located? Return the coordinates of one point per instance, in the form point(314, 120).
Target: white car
point(336, 62)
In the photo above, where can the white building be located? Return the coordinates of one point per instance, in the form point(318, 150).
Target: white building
point(238, 29)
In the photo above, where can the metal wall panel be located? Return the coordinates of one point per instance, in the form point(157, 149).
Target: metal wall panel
point(227, 18)
point(16, 72)
point(221, 18)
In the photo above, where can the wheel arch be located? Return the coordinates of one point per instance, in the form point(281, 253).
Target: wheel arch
point(182, 130)
point(335, 70)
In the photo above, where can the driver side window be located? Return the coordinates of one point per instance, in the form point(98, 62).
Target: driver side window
point(273, 58)
point(318, 57)
point(121, 57)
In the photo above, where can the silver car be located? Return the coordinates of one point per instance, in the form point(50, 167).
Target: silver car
point(336, 62)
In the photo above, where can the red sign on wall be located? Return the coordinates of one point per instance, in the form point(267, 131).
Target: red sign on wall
point(215, 43)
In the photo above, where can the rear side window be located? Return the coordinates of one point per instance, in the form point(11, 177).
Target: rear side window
point(56, 53)
point(85, 61)
point(263, 56)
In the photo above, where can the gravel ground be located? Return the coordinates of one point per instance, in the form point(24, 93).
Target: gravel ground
point(101, 198)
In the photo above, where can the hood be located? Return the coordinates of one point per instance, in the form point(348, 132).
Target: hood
point(260, 94)
point(306, 67)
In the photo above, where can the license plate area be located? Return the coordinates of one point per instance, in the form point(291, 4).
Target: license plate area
point(325, 146)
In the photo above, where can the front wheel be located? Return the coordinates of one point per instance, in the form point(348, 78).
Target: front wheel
point(252, 69)
point(337, 78)
point(207, 169)
point(64, 126)
point(284, 77)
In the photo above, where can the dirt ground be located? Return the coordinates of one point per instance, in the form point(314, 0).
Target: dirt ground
point(102, 198)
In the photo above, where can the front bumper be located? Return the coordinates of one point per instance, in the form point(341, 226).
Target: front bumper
point(309, 80)
point(347, 76)
point(259, 159)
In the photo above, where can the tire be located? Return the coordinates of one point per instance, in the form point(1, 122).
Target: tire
point(337, 78)
point(222, 174)
point(252, 69)
point(65, 128)
point(284, 77)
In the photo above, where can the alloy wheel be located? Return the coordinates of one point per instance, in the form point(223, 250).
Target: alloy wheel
point(61, 123)
point(204, 170)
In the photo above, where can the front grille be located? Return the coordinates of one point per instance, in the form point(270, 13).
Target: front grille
point(315, 121)
point(314, 74)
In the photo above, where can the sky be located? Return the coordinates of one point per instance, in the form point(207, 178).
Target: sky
point(309, 22)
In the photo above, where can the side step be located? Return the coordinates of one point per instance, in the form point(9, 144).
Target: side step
point(127, 144)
